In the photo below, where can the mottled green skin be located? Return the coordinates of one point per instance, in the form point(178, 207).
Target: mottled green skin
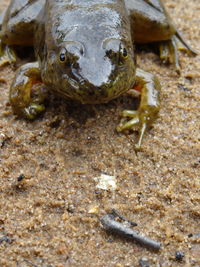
point(84, 51)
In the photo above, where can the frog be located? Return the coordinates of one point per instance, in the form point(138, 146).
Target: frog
point(85, 51)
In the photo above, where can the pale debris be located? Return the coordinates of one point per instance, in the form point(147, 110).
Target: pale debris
point(93, 210)
point(106, 182)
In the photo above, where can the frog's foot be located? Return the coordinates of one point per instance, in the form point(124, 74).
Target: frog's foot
point(7, 54)
point(27, 92)
point(31, 112)
point(147, 112)
point(139, 118)
point(169, 50)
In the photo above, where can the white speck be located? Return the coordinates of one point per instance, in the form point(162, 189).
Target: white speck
point(106, 182)
point(93, 210)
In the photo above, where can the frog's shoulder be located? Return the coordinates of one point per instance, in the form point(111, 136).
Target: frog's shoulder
point(19, 20)
point(22, 11)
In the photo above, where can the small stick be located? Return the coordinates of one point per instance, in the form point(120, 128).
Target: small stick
point(109, 224)
point(116, 214)
point(194, 235)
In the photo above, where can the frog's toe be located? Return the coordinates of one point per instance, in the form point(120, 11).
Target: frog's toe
point(129, 113)
point(32, 111)
point(169, 53)
point(126, 125)
point(7, 55)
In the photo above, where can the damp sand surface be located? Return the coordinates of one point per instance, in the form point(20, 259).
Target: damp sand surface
point(51, 217)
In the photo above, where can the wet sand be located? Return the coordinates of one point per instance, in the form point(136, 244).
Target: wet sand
point(51, 217)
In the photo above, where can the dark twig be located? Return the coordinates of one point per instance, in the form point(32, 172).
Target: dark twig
point(194, 235)
point(110, 224)
point(116, 214)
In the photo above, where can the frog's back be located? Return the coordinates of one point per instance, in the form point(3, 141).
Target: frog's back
point(65, 19)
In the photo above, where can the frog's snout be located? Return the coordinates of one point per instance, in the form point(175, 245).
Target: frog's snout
point(92, 79)
point(93, 71)
point(93, 75)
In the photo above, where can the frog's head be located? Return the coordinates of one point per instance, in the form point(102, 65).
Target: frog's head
point(93, 73)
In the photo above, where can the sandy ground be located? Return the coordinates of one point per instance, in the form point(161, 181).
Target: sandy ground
point(46, 219)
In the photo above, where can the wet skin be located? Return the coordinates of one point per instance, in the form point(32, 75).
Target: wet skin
point(84, 51)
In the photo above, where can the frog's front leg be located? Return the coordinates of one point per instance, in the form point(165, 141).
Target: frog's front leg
point(149, 87)
point(27, 92)
point(17, 26)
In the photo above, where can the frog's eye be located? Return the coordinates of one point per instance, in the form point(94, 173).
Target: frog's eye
point(62, 57)
point(124, 53)
point(110, 53)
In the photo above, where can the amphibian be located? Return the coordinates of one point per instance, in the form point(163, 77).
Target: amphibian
point(84, 50)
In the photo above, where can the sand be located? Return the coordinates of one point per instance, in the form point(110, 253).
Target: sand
point(51, 217)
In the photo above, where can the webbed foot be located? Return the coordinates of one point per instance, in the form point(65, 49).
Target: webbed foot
point(147, 112)
point(27, 92)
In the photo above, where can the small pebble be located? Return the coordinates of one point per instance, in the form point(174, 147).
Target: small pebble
point(5, 239)
point(143, 262)
point(179, 255)
point(20, 177)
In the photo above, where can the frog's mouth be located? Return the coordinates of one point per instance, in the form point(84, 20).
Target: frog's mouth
point(87, 93)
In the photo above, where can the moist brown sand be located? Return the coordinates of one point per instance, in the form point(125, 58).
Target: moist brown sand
point(46, 219)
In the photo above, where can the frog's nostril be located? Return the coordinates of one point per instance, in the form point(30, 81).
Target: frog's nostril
point(75, 47)
point(91, 93)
